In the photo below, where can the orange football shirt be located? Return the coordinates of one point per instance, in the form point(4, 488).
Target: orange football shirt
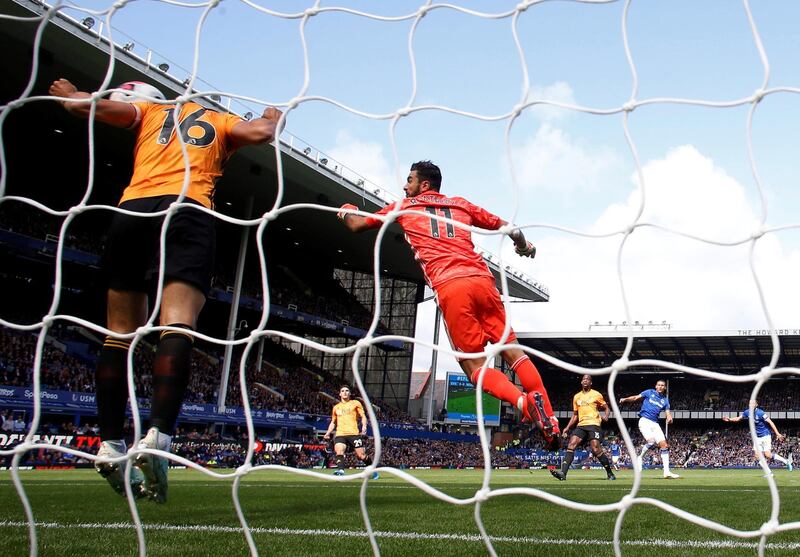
point(159, 165)
point(588, 405)
point(346, 416)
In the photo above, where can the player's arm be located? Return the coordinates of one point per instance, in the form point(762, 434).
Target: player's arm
point(484, 219)
point(522, 246)
point(114, 113)
point(258, 130)
point(572, 421)
point(363, 421)
point(606, 412)
point(632, 398)
point(774, 428)
point(330, 428)
point(668, 413)
point(734, 419)
point(359, 223)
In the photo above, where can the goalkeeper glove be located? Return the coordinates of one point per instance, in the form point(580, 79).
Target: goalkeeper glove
point(344, 210)
point(529, 250)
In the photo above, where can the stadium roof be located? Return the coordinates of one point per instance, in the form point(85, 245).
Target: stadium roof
point(736, 352)
point(70, 49)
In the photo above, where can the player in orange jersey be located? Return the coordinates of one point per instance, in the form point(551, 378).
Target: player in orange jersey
point(465, 288)
point(586, 407)
point(344, 418)
point(158, 179)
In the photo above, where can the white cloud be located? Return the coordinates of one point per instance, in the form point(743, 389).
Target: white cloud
point(364, 157)
point(690, 283)
point(553, 160)
point(559, 92)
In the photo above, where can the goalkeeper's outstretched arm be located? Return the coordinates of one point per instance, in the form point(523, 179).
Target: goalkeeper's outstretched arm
point(356, 223)
point(522, 246)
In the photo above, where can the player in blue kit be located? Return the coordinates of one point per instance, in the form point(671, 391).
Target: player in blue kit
point(654, 401)
point(764, 427)
point(616, 453)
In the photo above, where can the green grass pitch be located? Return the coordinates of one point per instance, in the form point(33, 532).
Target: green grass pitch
point(291, 515)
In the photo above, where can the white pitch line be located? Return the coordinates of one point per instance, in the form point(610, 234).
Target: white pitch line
point(694, 544)
point(382, 485)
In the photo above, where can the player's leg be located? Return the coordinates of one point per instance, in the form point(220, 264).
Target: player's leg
point(361, 454)
point(649, 439)
point(189, 260)
point(180, 305)
point(339, 448)
point(574, 442)
point(533, 385)
point(766, 447)
point(495, 382)
point(664, 448)
point(528, 375)
point(129, 249)
point(487, 308)
point(600, 455)
point(125, 312)
point(460, 311)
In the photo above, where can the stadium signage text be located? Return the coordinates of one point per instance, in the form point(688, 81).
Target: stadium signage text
point(766, 332)
point(80, 441)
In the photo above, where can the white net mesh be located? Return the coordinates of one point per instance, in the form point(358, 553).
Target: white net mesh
point(103, 19)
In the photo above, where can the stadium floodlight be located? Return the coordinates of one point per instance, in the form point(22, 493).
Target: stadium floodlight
point(186, 81)
point(128, 47)
point(323, 161)
point(164, 67)
point(360, 182)
point(87, 22)
point(216, 98)
point(307, 151)
point(248, 115)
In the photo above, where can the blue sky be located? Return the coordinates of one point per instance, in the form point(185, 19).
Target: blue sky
point(574, 170)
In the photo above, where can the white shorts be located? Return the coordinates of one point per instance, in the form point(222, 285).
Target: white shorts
point(764, 444)
point(614, 458)
point(651, 431)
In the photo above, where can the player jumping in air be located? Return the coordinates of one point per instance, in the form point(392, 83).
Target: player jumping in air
point(654, 401)
point(344, 418)
point(464, 287)
point(132, 252)
point(586, 407)
point(764, 440)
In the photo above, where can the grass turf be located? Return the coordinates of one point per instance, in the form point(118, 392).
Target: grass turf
point(294, 515)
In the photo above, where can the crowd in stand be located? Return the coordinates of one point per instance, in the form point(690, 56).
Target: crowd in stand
point(685, 395)
point(285, 381)
point(690, 447)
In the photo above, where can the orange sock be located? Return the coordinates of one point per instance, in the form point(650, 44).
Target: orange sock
point(498, 385)
point(531, 380)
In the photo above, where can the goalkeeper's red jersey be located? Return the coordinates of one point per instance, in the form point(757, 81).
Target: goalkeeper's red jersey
point(444, 251)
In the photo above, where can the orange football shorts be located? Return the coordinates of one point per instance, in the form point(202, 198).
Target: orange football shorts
point(473, 313)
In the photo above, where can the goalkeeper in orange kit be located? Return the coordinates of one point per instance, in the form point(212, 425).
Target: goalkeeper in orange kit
point(465, 289)
point(344, 418)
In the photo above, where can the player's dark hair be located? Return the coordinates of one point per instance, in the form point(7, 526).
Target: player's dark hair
point(343, 386)
point(426, 170)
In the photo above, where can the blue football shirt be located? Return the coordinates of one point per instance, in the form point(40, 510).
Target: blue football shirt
point(760, 418)
point(653, 404)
